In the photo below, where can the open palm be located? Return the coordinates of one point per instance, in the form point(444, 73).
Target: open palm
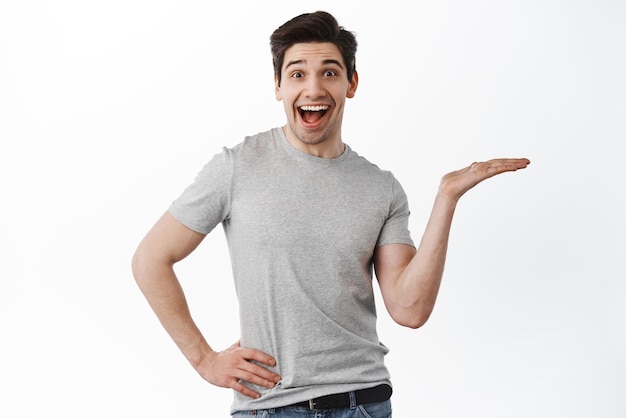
point(456, 183)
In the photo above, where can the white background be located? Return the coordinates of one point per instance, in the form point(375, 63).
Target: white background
point(108, 110)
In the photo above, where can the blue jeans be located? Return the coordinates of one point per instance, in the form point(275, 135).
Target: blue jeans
point(372, 410)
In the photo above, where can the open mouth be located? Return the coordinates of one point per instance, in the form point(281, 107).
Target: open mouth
point(312, 114)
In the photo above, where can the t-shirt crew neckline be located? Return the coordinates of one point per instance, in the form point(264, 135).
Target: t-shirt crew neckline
point(308, 157)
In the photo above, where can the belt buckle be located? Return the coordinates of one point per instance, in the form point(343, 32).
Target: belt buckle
point(312, 404)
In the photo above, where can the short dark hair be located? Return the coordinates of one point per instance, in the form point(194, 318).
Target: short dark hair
point(313, 27)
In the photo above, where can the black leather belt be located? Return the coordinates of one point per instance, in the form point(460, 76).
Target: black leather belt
point(376, 394)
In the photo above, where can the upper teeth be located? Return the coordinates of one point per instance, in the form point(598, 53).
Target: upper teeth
point(313, 108)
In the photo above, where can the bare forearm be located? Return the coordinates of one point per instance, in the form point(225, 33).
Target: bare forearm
point(160, 286)
point(418, 284)
point(421, 278)
point(410, 279)
point(167, 243)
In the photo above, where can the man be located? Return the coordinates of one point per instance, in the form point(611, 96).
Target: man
point(306, 219)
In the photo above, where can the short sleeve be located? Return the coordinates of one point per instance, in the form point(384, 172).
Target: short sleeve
point(206, 202)
point(396, 227)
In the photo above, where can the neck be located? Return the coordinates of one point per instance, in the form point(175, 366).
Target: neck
point(327, 148)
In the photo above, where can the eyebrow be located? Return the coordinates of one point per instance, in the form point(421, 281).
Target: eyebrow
point(325, 62)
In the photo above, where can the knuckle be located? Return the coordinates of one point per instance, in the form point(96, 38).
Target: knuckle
point(250, 377)
point(243, 353)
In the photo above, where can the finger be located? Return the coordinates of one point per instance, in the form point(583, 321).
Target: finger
point(246, 391)
point(260, 374)
point(511, 165)
point(516, 163)
point(248, 355)
point(256, 378)
point(493, 167)
point(259, 356)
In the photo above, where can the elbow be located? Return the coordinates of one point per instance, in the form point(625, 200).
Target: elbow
point(135, 265)
point(143, 270)
point(413, 323)
point(148, 266)
point(413, 320)
point(138, 265)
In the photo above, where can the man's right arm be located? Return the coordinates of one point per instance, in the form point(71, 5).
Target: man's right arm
point(166, 243)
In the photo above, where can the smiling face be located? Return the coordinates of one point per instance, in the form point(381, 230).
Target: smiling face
point(314, 87)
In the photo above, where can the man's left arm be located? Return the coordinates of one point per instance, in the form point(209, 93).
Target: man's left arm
point(409, 278)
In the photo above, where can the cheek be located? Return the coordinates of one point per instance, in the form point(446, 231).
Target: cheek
point(287, 99)
point(287, 105)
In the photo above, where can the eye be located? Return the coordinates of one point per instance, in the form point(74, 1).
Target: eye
point(296, 74)
point(330, 73)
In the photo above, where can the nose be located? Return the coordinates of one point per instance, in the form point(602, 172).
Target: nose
point(314, 88)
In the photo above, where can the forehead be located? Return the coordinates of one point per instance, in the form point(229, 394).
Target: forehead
point(311, 53)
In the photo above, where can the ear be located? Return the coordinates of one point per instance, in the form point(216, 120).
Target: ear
point(353, 85)
point(277, 92)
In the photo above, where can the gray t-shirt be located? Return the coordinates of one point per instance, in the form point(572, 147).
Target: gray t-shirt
point(301, 231)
